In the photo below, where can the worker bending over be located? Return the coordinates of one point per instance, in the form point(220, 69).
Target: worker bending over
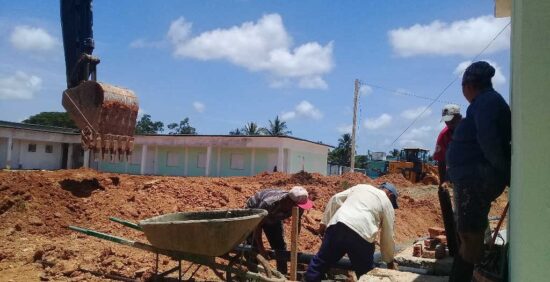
point(279, 204)
point(353, 218)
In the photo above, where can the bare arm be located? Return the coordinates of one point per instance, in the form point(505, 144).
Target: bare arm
point(387, 243)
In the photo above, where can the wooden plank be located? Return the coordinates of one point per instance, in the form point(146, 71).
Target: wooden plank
point(294, 243)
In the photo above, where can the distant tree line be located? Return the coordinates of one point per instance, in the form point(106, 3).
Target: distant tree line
point(277, 127)
point(59, 119)
point(146, 125)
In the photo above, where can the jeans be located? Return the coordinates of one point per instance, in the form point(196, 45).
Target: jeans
point(275, 236)
point(339, 240)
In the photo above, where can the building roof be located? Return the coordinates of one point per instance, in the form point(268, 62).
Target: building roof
point(239, 136)
point(36, 127)
point(54, 129)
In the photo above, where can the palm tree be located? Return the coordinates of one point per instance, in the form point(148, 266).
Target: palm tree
point(236, 131)
point(252, 128)
point(344, 149)
point(277, 128)
point(344, 141)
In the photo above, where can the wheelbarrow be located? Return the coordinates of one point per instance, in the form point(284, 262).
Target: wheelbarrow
point(200, 238)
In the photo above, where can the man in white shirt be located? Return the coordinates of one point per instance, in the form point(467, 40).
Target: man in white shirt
point(353, 218)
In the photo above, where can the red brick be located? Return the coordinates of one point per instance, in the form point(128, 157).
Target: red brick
point(428, 254)
point(436, 231)
point(427, 243)
point(442, 239)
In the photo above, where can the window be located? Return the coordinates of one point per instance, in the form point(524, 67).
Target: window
point(49, 149)
point(32, 148)
point(201, 160)
point(237, 161)
point(172, 159)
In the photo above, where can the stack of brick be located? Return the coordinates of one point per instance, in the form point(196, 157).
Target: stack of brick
point(434, 247)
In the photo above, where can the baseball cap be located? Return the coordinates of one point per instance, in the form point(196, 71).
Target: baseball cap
point(449, 111)
point(299, 195)
point(388, 186)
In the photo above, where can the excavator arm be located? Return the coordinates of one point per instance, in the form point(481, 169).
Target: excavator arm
point(105, 114)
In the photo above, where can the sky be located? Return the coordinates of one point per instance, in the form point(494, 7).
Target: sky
point(226, 63)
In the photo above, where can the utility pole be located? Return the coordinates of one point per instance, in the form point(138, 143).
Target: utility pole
point(355, 96)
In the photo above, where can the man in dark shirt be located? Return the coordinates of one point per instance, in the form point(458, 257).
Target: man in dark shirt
point(478, 163)
point(279, 204)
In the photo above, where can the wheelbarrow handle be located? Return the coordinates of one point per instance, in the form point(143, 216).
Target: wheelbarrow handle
point(126, 223)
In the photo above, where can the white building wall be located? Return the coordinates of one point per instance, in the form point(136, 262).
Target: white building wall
point(283, 157)
point(39, 159)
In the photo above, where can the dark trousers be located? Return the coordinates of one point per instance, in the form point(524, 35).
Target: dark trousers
point(275, 236)
point(474, 189)
point(462, 270)
point(339, 240)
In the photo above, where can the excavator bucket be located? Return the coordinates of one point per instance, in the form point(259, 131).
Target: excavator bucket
point(106, 116)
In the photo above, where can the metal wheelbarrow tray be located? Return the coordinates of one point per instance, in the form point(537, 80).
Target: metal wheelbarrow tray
point(207, 233)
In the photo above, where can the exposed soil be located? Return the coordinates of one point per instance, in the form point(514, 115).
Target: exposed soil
point(37, 206)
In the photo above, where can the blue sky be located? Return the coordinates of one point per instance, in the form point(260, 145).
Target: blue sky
point(225, 63)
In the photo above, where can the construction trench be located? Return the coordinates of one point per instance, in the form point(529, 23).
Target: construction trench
point(37, 208)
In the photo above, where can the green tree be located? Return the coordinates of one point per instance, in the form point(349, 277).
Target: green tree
point(146, 126)
point(182, 128)
point(341, 155)
point(252, 128)
point(361, 161)
point(277, 128)
point(59, 119)
point(236, 131)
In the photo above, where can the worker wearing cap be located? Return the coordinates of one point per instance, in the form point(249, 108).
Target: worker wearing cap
point(478, 163)
point(279, 204)
point(353, 219)
point(452, 117)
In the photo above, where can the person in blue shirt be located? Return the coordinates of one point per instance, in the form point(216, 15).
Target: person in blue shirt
point(478, 164)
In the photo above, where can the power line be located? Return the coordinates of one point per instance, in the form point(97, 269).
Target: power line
point(449, 85)
point(403, 93)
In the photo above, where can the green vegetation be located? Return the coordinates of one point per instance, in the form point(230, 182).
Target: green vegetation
point(59, 119)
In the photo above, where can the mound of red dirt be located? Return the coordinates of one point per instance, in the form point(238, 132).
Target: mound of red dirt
point(37, 206)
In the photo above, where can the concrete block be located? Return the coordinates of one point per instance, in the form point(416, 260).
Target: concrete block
point(383, 275)
point(430, 265)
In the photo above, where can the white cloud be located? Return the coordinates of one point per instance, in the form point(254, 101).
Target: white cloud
point(19, 86)
point(262, 46)
point(144, 43)
point(498, 80)
point(417, 136)
point(304, 110)
point(199, 107)
point(365, 90)
point(464, 37)
point(314, 82)
point(377, 123)
point(415, 112)
point(345, 128)
point(29, 38)
point(288, 115)
point(179, 31)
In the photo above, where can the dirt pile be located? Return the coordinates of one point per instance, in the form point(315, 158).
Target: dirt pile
point(395, 178)
point(37, 206)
